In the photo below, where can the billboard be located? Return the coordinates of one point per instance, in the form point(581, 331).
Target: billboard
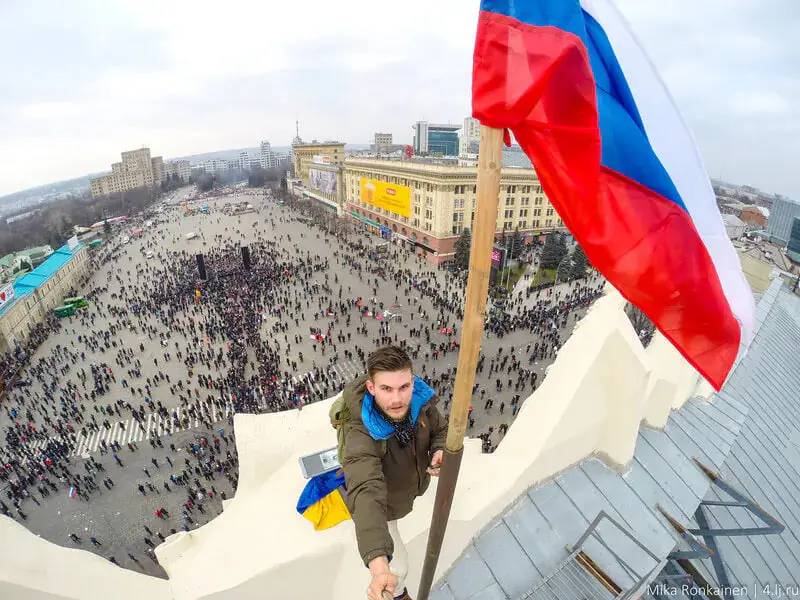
point(322, 160)
point(72, 242)
point(388, 196)
point(6, 294)
point(498, 257)
point(324, 181)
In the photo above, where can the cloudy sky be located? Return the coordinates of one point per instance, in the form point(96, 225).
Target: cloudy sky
point(83, 80)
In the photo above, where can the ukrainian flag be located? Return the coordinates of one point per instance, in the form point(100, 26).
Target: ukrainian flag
point(321, 501)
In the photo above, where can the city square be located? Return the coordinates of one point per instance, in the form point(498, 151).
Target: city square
point(170, 353)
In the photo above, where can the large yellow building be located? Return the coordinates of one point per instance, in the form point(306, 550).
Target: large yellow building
point(305, 155)
point(443, 203)
point(137, 169)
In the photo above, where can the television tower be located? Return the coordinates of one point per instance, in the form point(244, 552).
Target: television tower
point(297, 140)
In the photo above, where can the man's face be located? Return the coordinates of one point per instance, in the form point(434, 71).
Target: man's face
point(392, 391)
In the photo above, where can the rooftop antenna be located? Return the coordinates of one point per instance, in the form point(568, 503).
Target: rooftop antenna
point(297, 128)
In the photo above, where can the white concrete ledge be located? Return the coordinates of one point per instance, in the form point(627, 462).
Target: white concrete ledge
point(34, 569)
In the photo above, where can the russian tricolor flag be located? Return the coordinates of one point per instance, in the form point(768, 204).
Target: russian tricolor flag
point(615, 158)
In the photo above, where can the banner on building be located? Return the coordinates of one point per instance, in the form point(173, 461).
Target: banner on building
point(388, 196)
point(498, 256)
point(324, 181)
point(6, 294)
point(72, 242)
point(322, 160)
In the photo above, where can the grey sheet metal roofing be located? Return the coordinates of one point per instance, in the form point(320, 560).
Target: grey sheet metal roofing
point(749, 433)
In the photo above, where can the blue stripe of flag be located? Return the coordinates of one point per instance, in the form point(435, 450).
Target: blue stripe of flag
point(625, 146)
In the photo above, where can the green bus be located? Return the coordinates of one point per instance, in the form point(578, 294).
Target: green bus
point(76, 302)
point(64, 311)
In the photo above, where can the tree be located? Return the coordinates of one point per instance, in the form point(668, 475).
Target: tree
point(205, 182)
point(257, 177)
point(564, 270)
point(579, 263)
point(555, 248)
point(513, 244)
point(106, 228)
point(641, 323)
point(462, 248)
point(283, 183)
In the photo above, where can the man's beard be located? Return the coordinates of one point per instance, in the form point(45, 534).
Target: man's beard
point(392, 419)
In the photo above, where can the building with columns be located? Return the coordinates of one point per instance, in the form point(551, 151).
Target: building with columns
point(443, 204)
point(324, 153)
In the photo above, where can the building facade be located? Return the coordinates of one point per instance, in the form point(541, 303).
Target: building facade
point(793, 244)
point(781, 218)
point(325, 185)
point(269, 159)
point(443, 204)
point(137, 169)
point(431, 138)
point(754, 217)
point(305, 155)
point(179, 168)
point(470, 137)
point(734, 226)
point(218, 165)
point(40, 291)
point(383, 143)
point(244, 161)
point(157, 166)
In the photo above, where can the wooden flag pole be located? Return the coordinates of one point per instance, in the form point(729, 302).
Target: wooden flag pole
point(490, 157)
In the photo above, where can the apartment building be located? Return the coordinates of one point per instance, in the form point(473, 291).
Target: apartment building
point(383, 143)
point(442, 203)
point(179, 168)
point(218, 165)
point(136, 169)
point(469, 140)
point(269, 159)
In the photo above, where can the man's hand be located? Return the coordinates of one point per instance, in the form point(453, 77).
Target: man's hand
point(382, 579)
point(436, 462)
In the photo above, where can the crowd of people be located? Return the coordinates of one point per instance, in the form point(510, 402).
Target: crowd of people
point(250, 338)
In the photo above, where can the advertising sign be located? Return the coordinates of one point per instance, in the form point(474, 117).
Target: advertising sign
point(324, 181)
point(72, 242)
point(388, 196)
point(322, 160)
point(6, 294)
point(498, 256)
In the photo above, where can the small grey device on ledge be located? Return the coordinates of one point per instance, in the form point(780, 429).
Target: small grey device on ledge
point(320, 462)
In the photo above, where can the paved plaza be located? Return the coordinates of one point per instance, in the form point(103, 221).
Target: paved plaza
point(176, 369)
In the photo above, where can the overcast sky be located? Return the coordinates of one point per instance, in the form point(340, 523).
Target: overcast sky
point(83, 80)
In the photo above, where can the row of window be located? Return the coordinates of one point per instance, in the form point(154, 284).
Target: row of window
point(458, 217)
point(429, 187)
point(535, 224)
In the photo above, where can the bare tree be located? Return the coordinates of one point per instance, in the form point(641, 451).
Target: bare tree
point(641, 323)
point(53, 223)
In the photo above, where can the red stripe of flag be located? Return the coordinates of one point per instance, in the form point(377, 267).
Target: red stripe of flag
point(537, 82)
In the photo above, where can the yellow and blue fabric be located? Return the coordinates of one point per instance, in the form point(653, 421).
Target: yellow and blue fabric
point(321, 501)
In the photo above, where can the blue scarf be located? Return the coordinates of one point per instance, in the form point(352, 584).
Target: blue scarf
point(381, 427)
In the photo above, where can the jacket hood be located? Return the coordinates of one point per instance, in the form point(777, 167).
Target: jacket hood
point(362, 405)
